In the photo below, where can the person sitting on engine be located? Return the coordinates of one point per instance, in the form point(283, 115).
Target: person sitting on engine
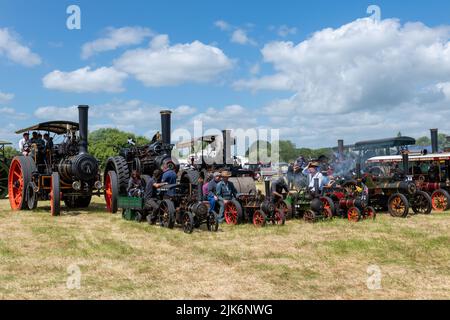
point(225, 191)
point(205, 186)
point(169, 177)
point(277, 188)
point(312, 172)
point(151, 194)
point(24, 144)
point(212, 195)
point(136, 185)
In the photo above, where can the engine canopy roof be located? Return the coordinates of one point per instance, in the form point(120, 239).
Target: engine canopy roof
point(58, 127)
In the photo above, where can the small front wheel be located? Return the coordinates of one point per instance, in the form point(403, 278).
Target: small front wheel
point(188, 222)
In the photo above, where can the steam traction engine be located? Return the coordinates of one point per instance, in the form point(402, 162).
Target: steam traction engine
point(144, 159)
point(61, 171)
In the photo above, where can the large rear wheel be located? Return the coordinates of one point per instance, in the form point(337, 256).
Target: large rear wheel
point(20, 175)
point(55, 195)
point(119, 165)
point(111, 191)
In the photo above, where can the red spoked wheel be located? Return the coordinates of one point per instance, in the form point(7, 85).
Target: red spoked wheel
point(354, 214)
point(328, 207)
point(369, 213)
point(279, 218)
point(111, 191)
point(259, 218)
point(309, 216)
point(286, 208)
point(233, 212)
point(440, 200)
point(19, 177)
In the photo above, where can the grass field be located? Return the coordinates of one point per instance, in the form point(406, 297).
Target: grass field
point(127, 260)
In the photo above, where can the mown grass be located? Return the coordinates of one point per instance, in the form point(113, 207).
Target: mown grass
point(128, 260)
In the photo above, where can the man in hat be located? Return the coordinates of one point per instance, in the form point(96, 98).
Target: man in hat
point(225, 191)
point(312, 172)
point(24, 144)
point(212, 191)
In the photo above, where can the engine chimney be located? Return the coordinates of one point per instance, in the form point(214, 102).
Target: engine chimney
point(83, 128)
point(226, 149)
point(267, 187)
point(341, 147)
point(434, 141)
point(358, 170)
point(165, 126)
point(405, 157)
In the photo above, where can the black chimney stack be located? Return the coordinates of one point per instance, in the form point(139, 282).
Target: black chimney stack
point(83, 128)
point(226, 147)
point(358, 170)
point(405, 157)
point(316, 186)
point(434, 141)
point(267, 187)
point(165, 126)
point(341, 147)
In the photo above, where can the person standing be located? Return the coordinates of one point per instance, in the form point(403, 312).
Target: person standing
point(24, 144)
point(312, 172)
point(169, 177)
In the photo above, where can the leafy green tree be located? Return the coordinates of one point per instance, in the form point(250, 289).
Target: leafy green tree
point(423, 141)
point(104, 143)
point(11, 152)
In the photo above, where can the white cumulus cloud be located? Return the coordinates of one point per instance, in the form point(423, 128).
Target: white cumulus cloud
point(115, 38)
point(103, 79)
point(6, 97)
point(162, 64)
point(11, 47)
point(362, 65)
point(240, 36)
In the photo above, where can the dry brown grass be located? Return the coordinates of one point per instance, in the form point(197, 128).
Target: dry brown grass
point(127, 260)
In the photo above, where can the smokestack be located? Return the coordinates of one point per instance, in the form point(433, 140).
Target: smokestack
point(405, 158)
point(358, 170)
point(341, 147)
point(83, 128)
point(316, 186)
point(165, 126)
point(267, 187)
point(226, 148)
point(434, 140)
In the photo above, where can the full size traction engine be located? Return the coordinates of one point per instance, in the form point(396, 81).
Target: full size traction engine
point(144, 159)
point(63, 171)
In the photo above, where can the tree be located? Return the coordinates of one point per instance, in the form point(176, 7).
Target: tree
point(11, 152)
point(288, 151)
point(103, 143)
point(423, 141)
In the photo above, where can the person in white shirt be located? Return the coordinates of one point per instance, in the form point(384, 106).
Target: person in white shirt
point(24, 144)
point(312, 172)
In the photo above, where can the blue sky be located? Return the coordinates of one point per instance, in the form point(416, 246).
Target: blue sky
point(234, 64)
